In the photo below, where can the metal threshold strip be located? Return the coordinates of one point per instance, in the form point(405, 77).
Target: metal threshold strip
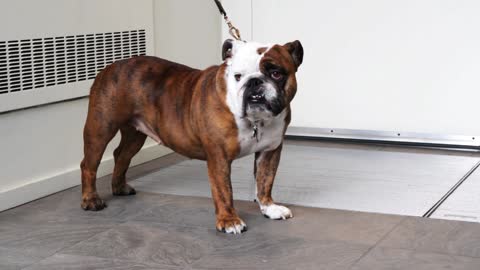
point(386, 137)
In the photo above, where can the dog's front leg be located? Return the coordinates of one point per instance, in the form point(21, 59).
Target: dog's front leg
point(265, 168)
point(219, 176)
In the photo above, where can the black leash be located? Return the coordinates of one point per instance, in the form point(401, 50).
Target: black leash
point(234, 32)
point(220, 8)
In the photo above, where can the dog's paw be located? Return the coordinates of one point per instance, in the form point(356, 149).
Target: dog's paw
point(124, 190)
point(93, 203)
point(275, 211)
point(232, 225)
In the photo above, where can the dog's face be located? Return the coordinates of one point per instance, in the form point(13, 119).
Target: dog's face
point(260, 78)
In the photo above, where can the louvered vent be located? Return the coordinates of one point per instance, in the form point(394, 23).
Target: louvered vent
point(36, 63)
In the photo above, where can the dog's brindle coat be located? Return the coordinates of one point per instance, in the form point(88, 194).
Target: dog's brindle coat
point(186, 110)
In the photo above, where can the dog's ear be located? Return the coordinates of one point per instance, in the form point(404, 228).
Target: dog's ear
point(227, 49)
point(296, 51)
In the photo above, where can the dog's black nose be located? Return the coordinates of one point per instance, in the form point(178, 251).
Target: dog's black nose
point(254, 82)
point(256, 97)
point(255, 92)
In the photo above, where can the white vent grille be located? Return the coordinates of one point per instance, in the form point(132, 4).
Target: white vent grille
point(36, 63)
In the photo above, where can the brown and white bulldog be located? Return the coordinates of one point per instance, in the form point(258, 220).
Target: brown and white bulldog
point(218, 114)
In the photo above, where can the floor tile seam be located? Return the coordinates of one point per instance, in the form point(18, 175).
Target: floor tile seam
point(134, 260)
point(99, 256)
point(400, 222)
point(39, 261)
point(54, 252)
point(423, 251)
point(455, 226)
point(155, 224)
point(89, 256)
point(108, 221)
point(59, 251)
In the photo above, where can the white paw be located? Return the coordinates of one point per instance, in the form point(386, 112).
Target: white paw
point(275, 211)
point(234, 226)
point(237, 228)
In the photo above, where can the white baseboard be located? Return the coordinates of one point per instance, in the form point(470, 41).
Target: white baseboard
point(46, 186)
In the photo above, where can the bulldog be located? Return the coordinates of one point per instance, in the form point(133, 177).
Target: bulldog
point(219, 114)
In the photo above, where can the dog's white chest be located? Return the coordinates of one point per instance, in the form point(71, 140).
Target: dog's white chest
point(268, 136)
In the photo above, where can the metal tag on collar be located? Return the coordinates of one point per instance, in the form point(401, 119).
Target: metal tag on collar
point(255, 131)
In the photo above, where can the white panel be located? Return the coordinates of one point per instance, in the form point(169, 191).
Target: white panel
point(406, 66)
point(36, 19)
point(106, 31)
point(30, 98)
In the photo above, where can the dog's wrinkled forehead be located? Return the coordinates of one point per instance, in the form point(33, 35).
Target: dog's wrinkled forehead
point(244, 57)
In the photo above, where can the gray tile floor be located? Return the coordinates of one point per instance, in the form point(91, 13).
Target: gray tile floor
point(377, 179)
point(155, 230)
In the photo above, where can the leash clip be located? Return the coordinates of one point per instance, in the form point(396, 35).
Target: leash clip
point(232, 30)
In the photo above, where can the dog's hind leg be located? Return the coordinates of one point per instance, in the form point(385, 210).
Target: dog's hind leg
point(98, 132)
point(131, 142)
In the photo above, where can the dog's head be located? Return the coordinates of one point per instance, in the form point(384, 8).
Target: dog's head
point(260, 78)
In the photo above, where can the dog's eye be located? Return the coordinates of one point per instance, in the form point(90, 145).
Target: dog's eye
point(238, 76)
point(276, 75)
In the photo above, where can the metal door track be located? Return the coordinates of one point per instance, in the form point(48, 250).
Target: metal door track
point(450, 192)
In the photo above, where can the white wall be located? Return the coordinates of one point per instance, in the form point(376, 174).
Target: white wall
point(406, 66)
point(188, 32)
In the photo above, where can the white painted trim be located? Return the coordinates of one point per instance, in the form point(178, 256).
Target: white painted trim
point(46, 186)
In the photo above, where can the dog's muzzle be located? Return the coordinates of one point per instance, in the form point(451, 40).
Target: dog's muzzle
point(255, 92)
point(257, 99)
